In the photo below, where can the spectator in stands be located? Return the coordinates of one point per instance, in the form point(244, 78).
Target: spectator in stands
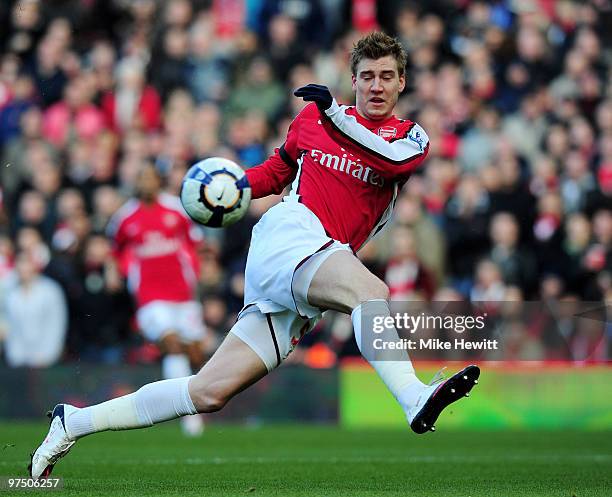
point(106, 201)
point(17, 154)
point(466, 225)
point(102, 60)
point(133, 104)
point(102, 306)
point(258, 81)
point(509, 193)
point(575, 245)
point(208, 71)
point(312, 27)
point(75, 116)
point(26, 27)
point(548, 235)
point(488, 283)
point(46, 69)
point(243, 138)
point(170, 69)
point(10, 115)
point(544, 176)
point(405, 274)
point(526, 128)
point(33, 211)
point(37, 317)
point(478, 144)
point(29, 240)
point(429, 239)
point(285, 49)
point(517, 264)
point(577, 182)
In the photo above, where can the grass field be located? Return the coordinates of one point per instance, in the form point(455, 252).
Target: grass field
point(322, 461)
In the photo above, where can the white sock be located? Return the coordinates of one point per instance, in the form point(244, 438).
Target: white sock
point(151, 404)
point(175, 366)
point(398, 375)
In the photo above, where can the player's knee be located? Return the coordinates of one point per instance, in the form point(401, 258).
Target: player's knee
point(371, 288)
point(381, 292)
point(376, 289)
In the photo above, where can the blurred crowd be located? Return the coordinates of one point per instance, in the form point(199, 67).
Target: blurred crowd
point(514, 202)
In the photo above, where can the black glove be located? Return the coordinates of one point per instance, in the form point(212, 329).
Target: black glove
point(318, 94)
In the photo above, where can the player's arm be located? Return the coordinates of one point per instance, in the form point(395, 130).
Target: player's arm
point(273, 175)
point(398, 157)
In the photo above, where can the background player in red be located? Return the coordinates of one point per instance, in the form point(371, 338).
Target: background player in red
point(155, 248)
point(346, 165)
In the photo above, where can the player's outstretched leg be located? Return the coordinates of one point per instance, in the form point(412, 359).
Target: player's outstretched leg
point(343, 283)
point(233, 367)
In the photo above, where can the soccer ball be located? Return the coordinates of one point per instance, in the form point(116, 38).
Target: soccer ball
point(215, 192)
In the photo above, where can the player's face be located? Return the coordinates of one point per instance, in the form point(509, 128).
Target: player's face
point(377, 86)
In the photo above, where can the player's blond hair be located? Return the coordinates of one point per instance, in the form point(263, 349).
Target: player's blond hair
point(377, 45)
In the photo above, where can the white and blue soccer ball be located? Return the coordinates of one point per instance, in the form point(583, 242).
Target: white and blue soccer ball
point(215, 192)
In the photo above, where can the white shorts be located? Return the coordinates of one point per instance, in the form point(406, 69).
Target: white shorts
point(288, 246)
point(159, 318)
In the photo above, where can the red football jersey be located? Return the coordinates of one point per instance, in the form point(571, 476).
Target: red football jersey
point(346, 169)
point(155, 247)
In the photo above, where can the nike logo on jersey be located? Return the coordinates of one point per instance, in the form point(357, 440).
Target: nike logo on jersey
point(348, 166)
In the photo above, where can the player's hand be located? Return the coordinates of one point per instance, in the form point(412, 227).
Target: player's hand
point(318, 94)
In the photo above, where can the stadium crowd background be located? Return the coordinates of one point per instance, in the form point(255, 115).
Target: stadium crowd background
point(514, 202)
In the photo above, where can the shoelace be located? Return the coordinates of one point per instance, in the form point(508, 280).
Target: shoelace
point(439, 377)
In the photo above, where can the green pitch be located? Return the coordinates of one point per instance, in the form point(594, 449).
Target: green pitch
point(322, 461)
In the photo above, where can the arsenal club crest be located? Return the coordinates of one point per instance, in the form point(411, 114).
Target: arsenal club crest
point(387, 132)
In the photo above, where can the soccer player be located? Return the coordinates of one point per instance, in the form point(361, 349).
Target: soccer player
point(346, 165)
point(155, 246)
